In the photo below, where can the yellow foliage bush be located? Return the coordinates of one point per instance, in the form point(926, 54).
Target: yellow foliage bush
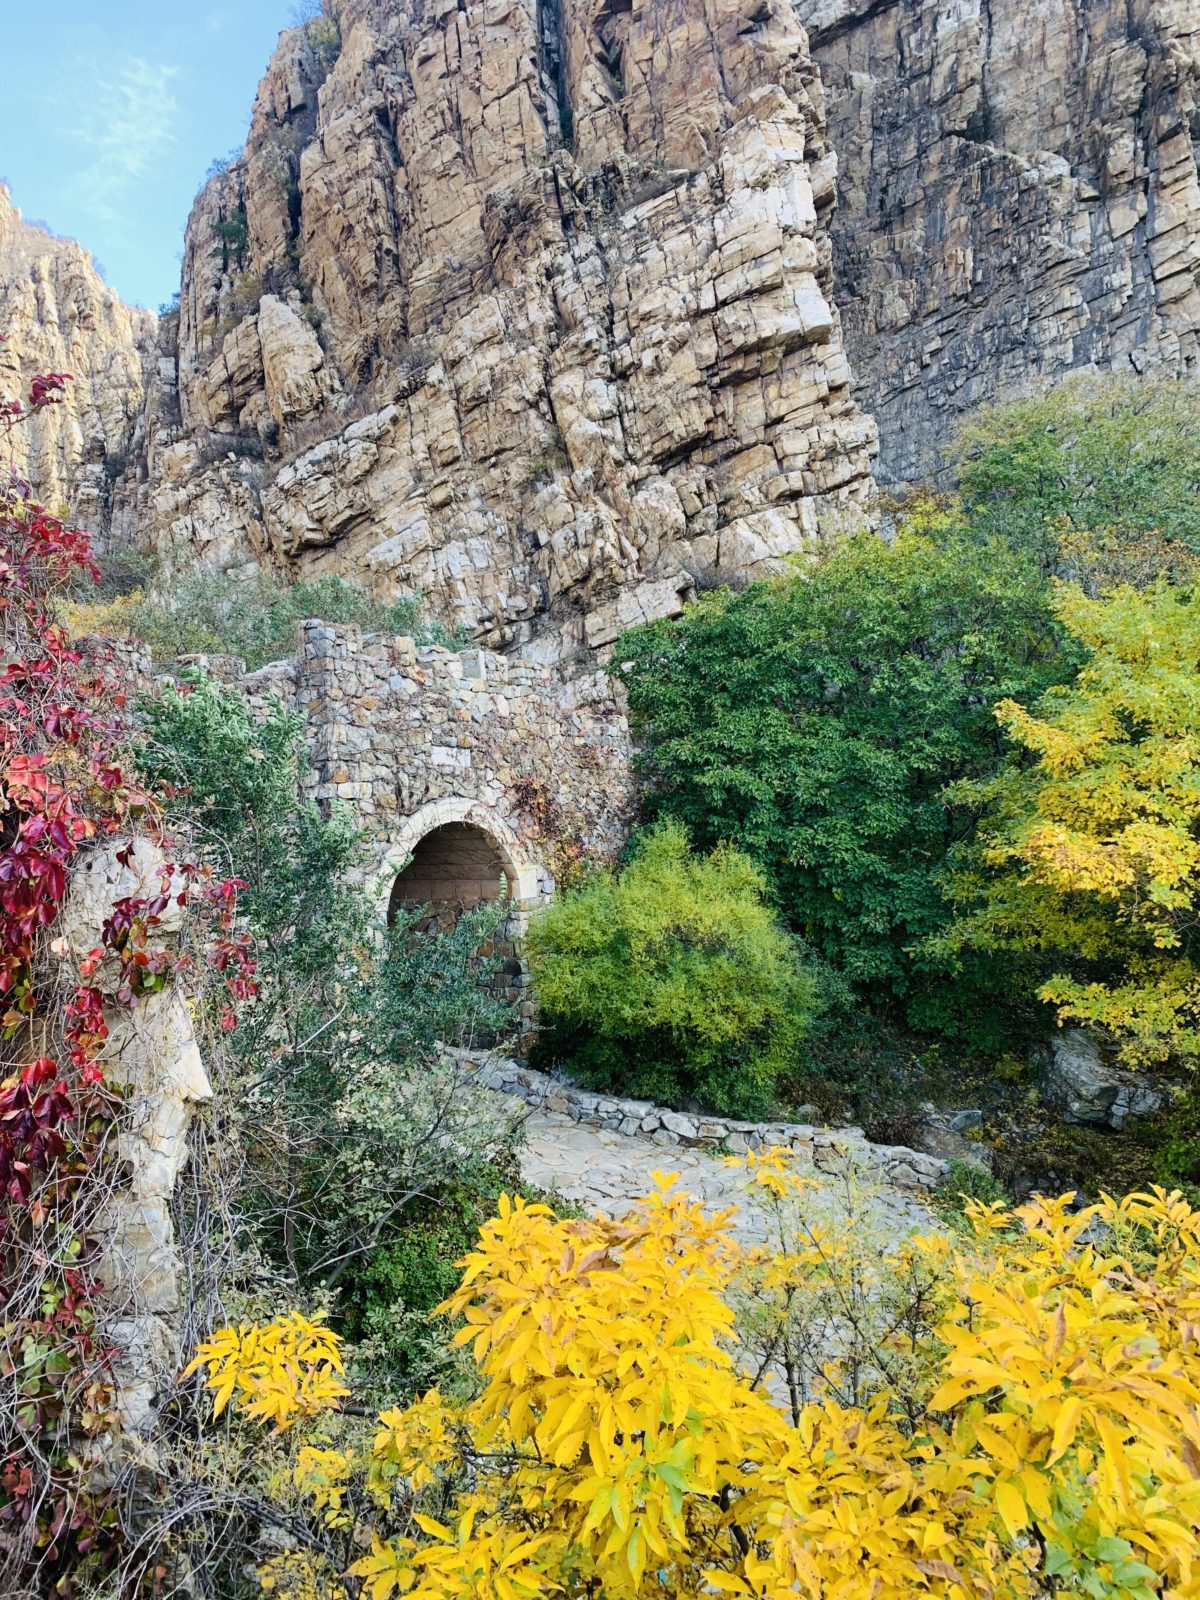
point(1047, 1439)
point(1090, 852)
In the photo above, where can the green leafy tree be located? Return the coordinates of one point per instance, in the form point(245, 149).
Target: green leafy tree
point(815, 722)
point(232, 234)
point(672, 979)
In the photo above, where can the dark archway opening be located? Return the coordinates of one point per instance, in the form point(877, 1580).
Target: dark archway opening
point(453, 869)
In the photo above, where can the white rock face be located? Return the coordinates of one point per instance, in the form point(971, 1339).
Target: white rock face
point(534, 317)
point(152, 1054)
point(56, 315)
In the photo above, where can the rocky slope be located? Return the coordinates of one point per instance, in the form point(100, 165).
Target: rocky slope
point(58, 316)
point(1018, 197)
point(527, 308)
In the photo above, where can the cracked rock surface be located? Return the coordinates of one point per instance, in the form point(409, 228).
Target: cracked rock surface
point(528, 308)
point(1017, 198)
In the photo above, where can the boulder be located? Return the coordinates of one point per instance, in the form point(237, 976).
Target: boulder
point(1085, 1088)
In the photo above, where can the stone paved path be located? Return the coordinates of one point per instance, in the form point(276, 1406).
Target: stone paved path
point(607, 1171)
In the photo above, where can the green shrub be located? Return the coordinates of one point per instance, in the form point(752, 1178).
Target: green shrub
point(326, 41)
point(251, 618)
point(232, 234)
point(815, 722)
point(672, 980)
point(390, 1302)
point(1172, 1140)
point(1094, 454)
point(966, 1180)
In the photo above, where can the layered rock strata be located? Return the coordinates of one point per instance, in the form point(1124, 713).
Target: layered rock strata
point(524, 307)
point(57, 315)
point(1017, 198)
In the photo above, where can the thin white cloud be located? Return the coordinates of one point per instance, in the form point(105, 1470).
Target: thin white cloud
point(127, 121)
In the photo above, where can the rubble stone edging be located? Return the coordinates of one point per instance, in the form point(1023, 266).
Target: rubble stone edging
point(830, 1149)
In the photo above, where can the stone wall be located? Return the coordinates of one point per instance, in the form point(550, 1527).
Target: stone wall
point(1017, 198)
point(828, 1150)
point(413, 738)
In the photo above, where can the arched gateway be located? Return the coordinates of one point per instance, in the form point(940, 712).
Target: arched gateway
point(455, 854)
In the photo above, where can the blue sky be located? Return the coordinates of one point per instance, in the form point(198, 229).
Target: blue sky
point(112, 110)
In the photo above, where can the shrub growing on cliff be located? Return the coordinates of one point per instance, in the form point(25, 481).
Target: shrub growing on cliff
point(1099, 472)
point(251, 618)
point(672, 979)
point(815, 721)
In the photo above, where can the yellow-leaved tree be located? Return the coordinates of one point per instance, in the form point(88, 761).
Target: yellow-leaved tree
point(1031, 1425)
point(1090, 852)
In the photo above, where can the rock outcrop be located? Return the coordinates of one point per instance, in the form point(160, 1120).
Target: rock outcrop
point(152, 1055)
point(533, 305)
point(57, 315)
point(1017, 198)
point(525, 307)
point(1079, 1082)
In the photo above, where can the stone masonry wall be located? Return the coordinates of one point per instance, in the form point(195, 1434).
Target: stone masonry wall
point(415, 738)
point(412, 738)
point(828, 1149)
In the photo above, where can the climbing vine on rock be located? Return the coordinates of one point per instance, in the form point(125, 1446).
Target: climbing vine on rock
point(64, 787)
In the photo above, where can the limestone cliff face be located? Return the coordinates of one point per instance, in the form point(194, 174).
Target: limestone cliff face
point(526, 307)
point(1018, 197)
point(533, 305)
point(58, 316)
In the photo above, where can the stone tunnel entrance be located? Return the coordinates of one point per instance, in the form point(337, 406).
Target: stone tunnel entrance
point(453, 869)
point(456, 855)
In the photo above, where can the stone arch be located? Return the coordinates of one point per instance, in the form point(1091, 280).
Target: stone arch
point(457, 852)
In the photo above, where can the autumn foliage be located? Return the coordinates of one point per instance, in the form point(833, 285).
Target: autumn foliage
point(1043, 1437)
point(65, 785)
point(1088, 850)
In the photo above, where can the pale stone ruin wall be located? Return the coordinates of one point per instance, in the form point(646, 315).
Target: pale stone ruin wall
point(394, 727)
point(421, 742)
point(416, 738)
point(1017, 199)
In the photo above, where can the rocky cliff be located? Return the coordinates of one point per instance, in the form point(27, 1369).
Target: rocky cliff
point(533, 305)
point(1017, 198)
point(57, 315)
point(527, 307)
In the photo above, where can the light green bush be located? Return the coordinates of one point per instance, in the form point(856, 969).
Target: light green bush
point(252, 618)
point(672, 980)
point(1111, 458)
